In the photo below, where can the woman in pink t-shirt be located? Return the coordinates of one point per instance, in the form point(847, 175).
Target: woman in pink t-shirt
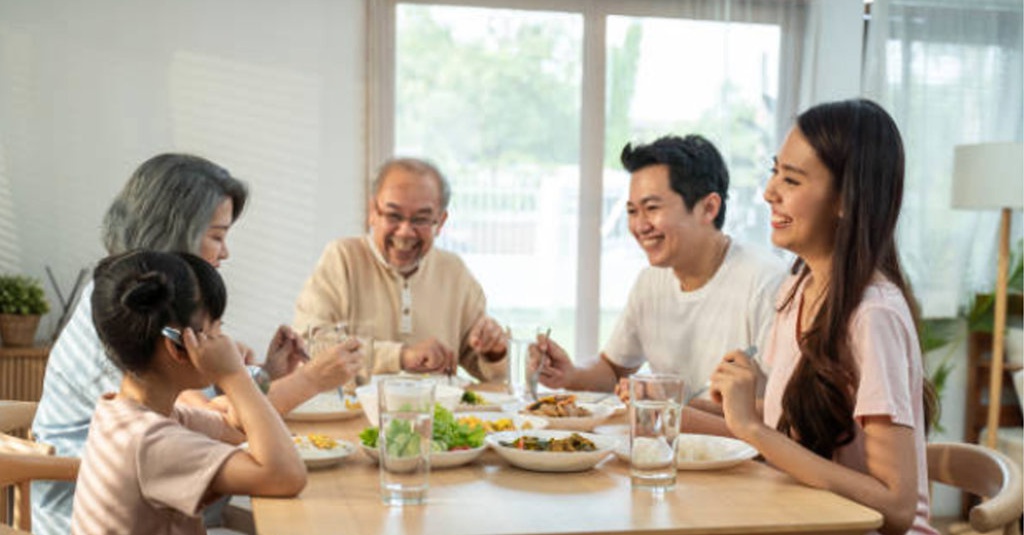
point(846, 406)
point(150, 464)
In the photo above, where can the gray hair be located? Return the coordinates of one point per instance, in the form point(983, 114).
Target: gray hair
point(419, 167)
point(168, 203)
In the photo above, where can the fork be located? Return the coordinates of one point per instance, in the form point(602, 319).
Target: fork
point(531, 383)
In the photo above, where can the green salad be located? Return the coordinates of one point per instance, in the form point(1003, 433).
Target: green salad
point(448, 435)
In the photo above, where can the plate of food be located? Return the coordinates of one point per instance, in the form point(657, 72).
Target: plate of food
point(496, 422)
point(483, 401)
point(551, 451)
point(326, 406)
point(453, 444)
point(703, 452)
point(317, 450)
point(563, 412)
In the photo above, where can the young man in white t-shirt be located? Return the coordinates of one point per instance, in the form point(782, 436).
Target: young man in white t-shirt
point(703, 295)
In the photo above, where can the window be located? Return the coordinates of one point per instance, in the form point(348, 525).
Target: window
point(525, 106)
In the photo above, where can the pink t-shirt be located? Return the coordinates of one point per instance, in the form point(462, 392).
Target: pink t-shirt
point(146, 473)
point(884, 343)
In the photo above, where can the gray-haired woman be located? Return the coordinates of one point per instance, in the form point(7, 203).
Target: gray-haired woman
point(171, 203)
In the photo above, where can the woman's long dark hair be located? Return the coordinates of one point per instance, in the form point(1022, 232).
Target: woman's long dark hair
point(861, 146)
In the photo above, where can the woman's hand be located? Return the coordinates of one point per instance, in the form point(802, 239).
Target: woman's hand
point(285, 352)
point(213, 353)
point(734, 386)
point(335, 366)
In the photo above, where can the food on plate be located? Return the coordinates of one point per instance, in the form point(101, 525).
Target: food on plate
point(472, 398)
point(449, 434)
point(493, 426)
point(315, 440)
point(353, 405)
point(572, 443)
point(557, 406)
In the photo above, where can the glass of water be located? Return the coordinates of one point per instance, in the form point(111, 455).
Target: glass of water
point(655, 408)
point(406, 429)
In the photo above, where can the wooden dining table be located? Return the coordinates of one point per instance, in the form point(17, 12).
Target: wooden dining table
point(491, 497)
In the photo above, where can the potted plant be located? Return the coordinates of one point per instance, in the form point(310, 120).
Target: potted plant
point(22, 303)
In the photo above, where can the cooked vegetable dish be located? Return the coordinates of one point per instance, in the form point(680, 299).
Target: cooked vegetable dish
point(572, 443)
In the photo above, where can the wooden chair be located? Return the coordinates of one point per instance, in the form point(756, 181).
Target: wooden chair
point(21, 462)
point(985, 473)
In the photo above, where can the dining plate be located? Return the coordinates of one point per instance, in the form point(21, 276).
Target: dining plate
point(598, 414)
point(314, 457)
point(326, 406)
point(505, 421)
point(490, 401)
point(441, 459)
point(550, 461)
point(702, 452)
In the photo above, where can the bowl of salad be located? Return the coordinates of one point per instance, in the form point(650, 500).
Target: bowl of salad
point(453, 443)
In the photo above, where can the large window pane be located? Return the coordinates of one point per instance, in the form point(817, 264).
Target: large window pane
point(493, 97)
point(678, 76)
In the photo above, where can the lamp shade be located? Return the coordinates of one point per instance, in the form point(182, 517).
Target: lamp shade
point(988, 176)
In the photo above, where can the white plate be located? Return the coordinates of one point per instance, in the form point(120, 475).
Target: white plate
point(325, 406)
point(598, 414)
point(703, 452)
point(444, 459)
point(550, 461)
point(614, 430)
point(518, 420)
point(492, 401)
point(315, 457)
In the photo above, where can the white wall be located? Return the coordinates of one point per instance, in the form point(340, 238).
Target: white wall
point(273, 91)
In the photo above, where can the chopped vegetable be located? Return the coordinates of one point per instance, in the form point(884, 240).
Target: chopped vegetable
point(448, 434)
point(472, 398)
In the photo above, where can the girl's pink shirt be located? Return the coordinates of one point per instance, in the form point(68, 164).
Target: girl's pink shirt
point(888, 356)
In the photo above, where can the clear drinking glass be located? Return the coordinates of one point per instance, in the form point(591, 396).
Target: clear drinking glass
point(406, 429)
point(655, 407)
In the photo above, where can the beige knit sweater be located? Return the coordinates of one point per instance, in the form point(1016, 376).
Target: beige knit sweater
point(351, 283)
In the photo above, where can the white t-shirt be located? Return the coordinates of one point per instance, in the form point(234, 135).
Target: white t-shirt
point(688, 333)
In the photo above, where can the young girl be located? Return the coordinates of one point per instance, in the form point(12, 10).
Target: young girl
point(151, 465)
point(846, 405)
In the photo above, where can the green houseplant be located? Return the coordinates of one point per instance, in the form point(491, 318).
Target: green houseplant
point(22, 303)
point(941, 332)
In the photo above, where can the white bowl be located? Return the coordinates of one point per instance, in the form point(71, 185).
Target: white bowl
point(551, 461)
point(438, 459)
point(447, 396)
point(518, 420)
point(598, 414)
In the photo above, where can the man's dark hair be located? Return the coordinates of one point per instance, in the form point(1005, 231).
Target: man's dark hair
point(696, 168)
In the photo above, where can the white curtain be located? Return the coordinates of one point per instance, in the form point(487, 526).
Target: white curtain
point(950, 73)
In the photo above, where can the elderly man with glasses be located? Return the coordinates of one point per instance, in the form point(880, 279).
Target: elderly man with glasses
point(424, 310)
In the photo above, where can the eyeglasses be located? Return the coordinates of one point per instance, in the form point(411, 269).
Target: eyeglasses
point(394, 219)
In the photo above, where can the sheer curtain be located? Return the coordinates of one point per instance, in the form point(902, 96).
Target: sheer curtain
point(950, 73)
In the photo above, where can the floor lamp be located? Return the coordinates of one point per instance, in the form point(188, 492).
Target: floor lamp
point(985, 177)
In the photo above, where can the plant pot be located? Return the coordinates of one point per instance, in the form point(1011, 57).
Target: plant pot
point(17, 330)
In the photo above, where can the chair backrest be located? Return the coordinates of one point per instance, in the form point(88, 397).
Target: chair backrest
point(16, 415)
point(986, 473)
point(22, 461)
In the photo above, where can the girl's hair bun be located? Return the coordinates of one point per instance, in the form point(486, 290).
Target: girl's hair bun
point(147, 292)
